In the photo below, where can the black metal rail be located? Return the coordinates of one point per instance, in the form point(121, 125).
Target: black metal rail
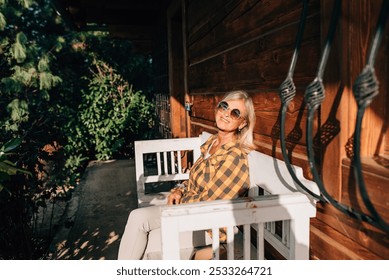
point(287, 91)
point(365, 89)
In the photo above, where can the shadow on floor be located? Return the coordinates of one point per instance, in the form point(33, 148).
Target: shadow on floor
point(97, 214)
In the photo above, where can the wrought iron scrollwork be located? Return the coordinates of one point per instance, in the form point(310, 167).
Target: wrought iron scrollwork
point(287, 91)
point(365, 89)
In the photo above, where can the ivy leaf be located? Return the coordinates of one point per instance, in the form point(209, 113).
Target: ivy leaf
point(10, 145)
point(3, 22)
point(10, 168)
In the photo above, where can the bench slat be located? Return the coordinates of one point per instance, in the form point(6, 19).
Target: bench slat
point(215, 244)
point(246, 242)
point(179, 162)
point(260, 241)
point(230, 243)
point(159, 167)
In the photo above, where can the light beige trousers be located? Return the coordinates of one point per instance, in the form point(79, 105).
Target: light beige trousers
point(141, 224)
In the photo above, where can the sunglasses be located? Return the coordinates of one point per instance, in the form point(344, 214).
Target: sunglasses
point(234, 113)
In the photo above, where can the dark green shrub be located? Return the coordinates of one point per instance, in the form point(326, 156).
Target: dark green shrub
point(111, 115)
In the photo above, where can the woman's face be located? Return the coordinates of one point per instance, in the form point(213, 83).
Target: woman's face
point(226, 115)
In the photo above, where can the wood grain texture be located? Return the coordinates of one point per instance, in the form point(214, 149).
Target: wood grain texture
point(328, 244)
point(248, 45)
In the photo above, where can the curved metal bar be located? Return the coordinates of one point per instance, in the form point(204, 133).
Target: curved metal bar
point(286, 159)
point(330, 38)
point(299, 37)
point(314, 96)
point(359, 176)
point(365, 88)
point(378, 34)
point(287, 91)
point(341, 207)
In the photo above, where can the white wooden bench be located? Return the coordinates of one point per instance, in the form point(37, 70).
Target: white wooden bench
point(281, 216)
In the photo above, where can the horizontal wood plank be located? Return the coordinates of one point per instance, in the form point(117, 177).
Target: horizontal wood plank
point(329, 244)
point(376, 178)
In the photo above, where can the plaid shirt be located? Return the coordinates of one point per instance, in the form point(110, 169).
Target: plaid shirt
point(223, 175)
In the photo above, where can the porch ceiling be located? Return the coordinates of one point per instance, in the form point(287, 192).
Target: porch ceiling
point(131, 19)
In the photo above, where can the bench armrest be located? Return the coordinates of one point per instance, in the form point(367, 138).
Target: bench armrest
point(229, 213)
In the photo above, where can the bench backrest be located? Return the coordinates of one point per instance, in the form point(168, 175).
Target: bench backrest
point(272, 175)
point(164, 156)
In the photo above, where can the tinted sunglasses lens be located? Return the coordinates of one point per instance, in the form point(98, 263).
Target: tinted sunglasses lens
point(223, 106)
point(235, 114)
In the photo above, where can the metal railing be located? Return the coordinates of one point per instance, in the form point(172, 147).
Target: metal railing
point(365, 89)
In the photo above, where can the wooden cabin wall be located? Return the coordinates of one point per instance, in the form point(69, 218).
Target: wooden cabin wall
point(354, 239)
point(248, 44)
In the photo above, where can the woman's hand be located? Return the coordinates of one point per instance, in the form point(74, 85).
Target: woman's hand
point(174, 197)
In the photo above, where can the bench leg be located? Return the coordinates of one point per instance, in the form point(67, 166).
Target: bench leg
point(170, 239)
point(299, 239)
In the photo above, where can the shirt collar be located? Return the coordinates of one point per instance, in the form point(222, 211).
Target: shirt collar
point(205, 147)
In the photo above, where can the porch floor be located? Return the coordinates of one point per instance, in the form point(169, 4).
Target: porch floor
point(95, 217)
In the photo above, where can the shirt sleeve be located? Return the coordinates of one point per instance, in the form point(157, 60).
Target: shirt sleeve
point(227, 177)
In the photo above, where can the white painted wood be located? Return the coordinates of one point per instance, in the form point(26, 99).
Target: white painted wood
point(225, 213)
point(158, 147)
point(283, 201)
point(274, 241)
point(299, 247)
point(260, 242)
point(215, 244)
point(272, 175)
point(246, 242)
point(159, 164)
point(179, 162)
point(285, 233)
point(230, 243)
point(170, 244)
point(165, 164)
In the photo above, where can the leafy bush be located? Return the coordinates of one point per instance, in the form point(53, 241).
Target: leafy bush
point(111, 115)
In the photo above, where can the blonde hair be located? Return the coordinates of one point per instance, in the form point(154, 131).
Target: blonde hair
point(245, 135)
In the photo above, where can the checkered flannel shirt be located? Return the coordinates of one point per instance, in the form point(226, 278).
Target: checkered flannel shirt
point(223, 175)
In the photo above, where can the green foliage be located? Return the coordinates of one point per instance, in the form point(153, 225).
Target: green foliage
point(112, 113)
point(18, 49)
point(8, 168)
point(3, 22)
point(65, 113)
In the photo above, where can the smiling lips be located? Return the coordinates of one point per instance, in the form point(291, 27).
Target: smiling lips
point(226, 120)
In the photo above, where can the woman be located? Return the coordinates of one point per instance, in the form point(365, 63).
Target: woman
point(221, 172)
